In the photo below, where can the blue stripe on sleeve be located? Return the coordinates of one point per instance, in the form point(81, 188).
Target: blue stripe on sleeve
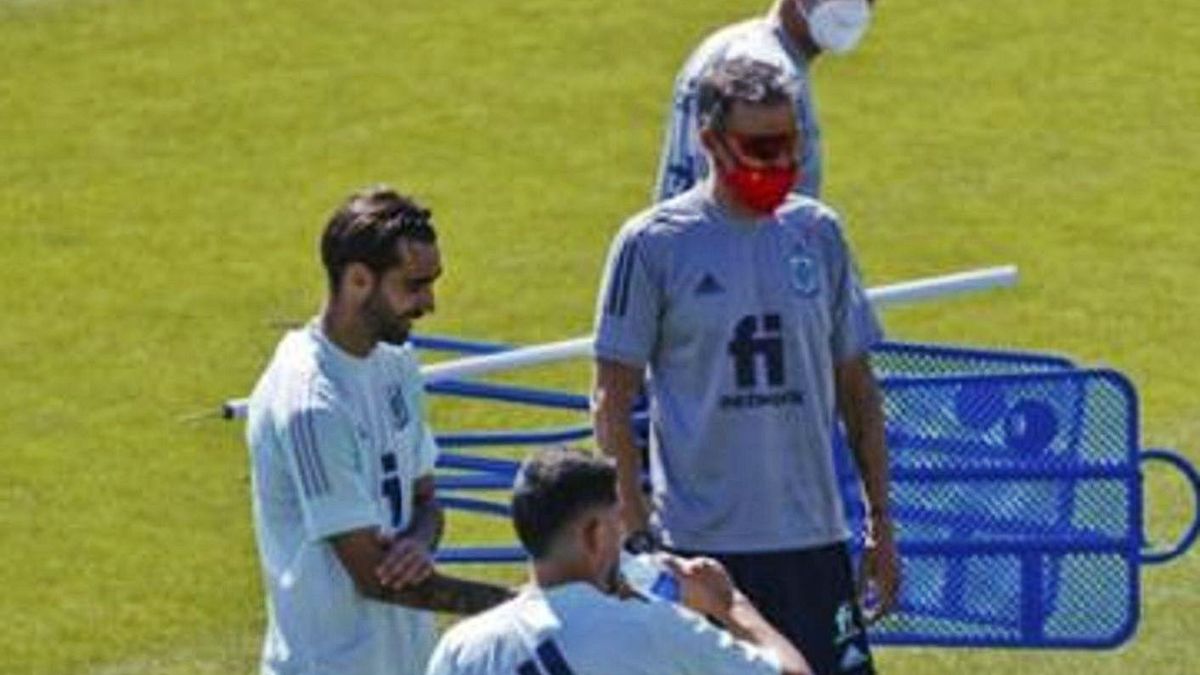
point(321, 479)
point(552, 659)
point(623, 304)
point(614, 288)
point(296, 431)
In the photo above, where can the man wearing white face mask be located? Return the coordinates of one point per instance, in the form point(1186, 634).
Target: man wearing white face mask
point(791, 35)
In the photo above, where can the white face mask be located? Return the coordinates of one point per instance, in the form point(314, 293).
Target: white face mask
point(837, 25)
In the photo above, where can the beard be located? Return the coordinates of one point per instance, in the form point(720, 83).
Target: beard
point(385, 324)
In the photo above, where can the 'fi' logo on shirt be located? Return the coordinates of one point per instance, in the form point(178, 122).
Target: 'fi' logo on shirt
point(803, 268)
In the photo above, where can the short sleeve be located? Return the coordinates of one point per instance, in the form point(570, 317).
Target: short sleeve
point(442, 660)
point(427, 451)
point(468, 648)
point(688, 641)
point(856, 327)
point(323, 463)
point(427, 448)
point(629, 303)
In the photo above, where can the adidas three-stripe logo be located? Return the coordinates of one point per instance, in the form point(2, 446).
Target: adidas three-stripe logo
point(618, 289)
point(302, 430)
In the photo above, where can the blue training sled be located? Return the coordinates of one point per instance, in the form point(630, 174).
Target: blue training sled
point(1016, 491)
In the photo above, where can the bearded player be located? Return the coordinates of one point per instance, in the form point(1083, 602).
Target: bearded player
point(342, 461)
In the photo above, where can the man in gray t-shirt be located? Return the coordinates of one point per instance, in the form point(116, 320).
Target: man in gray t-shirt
point(743, 305)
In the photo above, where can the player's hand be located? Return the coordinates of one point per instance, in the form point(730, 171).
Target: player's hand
point(704, 584)
point(406, 562)
point(879, 575)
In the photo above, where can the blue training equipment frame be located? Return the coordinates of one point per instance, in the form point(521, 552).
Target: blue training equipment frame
point(1016, 491)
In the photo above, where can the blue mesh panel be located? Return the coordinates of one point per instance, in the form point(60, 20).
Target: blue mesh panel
point(1016, 499)
point(909, 358)
point(1015, 492)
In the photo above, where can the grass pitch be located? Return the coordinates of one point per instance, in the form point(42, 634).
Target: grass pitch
point(165, 168)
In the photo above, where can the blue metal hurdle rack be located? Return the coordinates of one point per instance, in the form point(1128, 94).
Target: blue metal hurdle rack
point(1016, 489)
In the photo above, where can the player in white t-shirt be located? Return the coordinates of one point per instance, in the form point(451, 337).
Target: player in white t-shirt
point(342, 462)
point(570, 620)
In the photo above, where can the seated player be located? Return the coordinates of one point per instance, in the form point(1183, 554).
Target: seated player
point(570, 619)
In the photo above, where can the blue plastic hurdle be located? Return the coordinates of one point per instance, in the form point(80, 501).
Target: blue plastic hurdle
point(1017, 492)
point(1018, 496)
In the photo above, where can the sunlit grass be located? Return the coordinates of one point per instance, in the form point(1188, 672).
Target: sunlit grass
point(165, 168)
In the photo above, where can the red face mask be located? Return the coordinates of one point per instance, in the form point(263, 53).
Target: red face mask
point(760, 189)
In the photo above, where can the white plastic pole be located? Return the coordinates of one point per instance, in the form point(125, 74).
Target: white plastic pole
point(920, 290)
point(575, 348)
point(935, 288)
point(881, 297)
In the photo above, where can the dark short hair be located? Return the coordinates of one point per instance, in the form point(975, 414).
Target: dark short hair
point(367, 226)
point(555, 486)
point(741, 80)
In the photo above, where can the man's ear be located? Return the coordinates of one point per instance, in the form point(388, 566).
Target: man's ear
point(357, 282)
point(711, 141)
point(708, 138)
point(591, 535)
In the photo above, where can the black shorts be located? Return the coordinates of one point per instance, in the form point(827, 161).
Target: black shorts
point(809, 596)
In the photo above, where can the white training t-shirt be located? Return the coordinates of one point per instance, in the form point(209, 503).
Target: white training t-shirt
point(574, 629)
point(336, 443)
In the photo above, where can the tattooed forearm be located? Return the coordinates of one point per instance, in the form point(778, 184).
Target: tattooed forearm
point(428, 520)
point(442, 593)
point(428, 524)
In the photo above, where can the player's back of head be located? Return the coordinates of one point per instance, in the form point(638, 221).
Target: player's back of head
point(553, 487)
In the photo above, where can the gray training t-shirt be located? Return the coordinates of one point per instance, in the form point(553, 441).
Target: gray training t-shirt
point(739, 324)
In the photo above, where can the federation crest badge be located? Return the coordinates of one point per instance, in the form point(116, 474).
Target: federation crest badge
point(399, 406)
point(804, 273)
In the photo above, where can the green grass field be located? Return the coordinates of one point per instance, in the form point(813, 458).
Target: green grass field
point(166, 166)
